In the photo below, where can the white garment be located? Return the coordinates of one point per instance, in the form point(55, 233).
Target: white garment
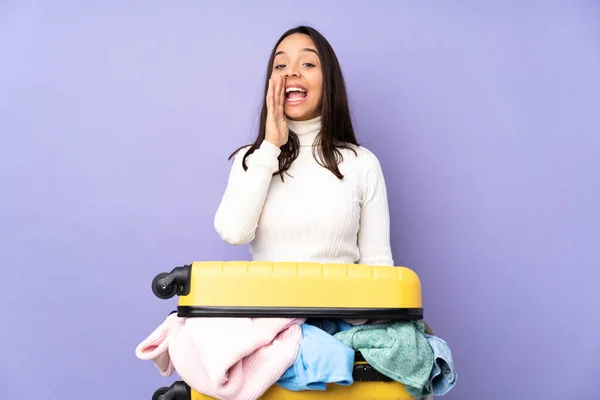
point(312, 216)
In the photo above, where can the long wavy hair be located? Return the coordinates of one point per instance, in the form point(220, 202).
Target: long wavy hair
point(337, 131)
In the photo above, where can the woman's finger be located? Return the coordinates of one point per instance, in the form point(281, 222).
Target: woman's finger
point(270, 95)
point(282, 93)
point(277, 90)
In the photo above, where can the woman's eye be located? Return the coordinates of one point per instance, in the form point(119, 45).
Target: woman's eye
point(310, 65)
point(279, 66)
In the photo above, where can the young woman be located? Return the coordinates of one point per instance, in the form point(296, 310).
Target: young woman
point(305, 191)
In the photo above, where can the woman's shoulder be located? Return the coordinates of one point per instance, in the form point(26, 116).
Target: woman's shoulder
point(361, 155)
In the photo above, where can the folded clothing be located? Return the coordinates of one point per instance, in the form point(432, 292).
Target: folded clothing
point(397, 349)
point(321, 359)
point(225, 358)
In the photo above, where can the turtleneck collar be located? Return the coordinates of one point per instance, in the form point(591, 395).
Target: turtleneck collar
point(306, 131)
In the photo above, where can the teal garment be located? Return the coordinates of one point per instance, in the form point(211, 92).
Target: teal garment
point(398, 350)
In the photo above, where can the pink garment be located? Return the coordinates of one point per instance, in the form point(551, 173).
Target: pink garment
point(229, 358)
point(154, 347)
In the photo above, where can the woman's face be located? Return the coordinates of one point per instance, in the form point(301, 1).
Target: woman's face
point(296, 58)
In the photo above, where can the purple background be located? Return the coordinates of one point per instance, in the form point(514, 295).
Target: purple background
point(117, 119)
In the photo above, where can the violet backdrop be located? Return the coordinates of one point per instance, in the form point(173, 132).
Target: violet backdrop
point(116, 120)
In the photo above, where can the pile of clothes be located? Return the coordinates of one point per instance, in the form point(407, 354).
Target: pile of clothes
point(240, 358)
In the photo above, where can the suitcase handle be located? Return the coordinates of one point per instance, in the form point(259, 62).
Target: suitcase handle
point(168, 284)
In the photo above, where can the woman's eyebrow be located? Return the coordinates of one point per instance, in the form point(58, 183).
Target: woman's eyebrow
point(306, 49)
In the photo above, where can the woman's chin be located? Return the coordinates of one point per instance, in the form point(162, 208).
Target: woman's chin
point(296, 114)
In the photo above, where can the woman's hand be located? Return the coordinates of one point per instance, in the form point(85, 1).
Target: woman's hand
point(276, 130)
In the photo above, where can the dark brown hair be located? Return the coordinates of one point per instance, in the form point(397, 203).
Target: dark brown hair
point(336, 123)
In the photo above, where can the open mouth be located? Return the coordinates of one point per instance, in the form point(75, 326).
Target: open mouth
point(294, 94)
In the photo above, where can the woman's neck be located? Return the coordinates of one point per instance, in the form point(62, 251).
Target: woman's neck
point(306, 131)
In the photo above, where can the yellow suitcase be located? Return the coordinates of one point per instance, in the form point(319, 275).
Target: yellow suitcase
point(309, 290)
point(255, 289)
point(357, 391)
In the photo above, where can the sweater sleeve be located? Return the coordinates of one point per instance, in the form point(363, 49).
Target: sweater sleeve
point(374, 231)
point(237, 216)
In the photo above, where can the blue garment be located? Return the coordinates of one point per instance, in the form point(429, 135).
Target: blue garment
point(329, 325)
point(321, 359)
point(443, 376)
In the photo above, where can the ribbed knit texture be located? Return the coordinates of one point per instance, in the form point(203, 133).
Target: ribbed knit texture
point(312, 216)
point(224, 358)
point(155, 347)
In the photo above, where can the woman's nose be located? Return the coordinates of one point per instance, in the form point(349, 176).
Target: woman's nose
point(291, 73)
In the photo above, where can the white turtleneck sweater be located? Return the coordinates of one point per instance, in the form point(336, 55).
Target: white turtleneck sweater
point(312, 216)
